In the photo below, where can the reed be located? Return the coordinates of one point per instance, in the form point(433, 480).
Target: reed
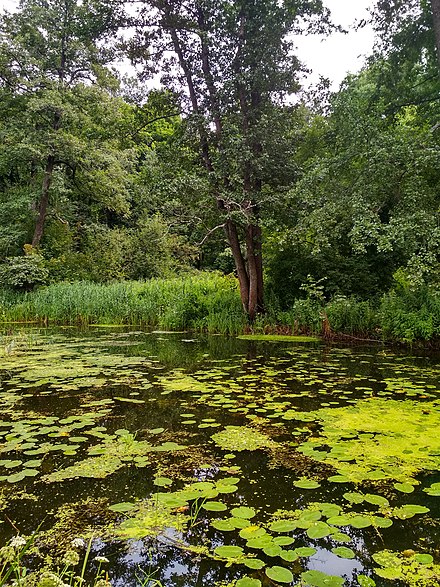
point(203, 301)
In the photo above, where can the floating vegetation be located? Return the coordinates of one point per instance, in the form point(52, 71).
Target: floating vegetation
point(109, 456)
point(378, 439)
point(239, 438)
point(279, 338)
point(414, 569)
point(252, 465)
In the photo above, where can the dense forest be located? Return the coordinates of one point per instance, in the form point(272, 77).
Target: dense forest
point(325, 206)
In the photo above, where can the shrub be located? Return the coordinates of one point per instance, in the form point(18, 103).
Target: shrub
point(23, 273)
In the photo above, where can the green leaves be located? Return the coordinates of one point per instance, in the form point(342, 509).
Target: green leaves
point(279, 574)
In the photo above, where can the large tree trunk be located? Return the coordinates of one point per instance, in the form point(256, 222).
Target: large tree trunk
point(435, 5)
point(44, 201)
point(249, 271)
point(240, 264)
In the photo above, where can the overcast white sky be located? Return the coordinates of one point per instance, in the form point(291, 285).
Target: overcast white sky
point(333, 56)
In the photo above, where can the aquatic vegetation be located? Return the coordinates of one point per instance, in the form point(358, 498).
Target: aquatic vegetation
point(259, 463)
point(414, 569)
point(239, 438)
point(109, 456)
point(278, 338)
point(378, 439)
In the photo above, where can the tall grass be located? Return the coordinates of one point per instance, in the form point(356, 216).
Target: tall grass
point(205, 301)
point(210, 302)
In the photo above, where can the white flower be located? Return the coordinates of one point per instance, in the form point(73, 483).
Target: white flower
point(101, 559)
point(78, 543)
point(17, 542)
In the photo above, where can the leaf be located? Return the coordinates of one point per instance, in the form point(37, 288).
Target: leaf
point(283, 540)
point(253, 563)
point(365, 581)
point(360, 522)
point(228, 551)
point(272, 550)
point(214, 506)
point(343, 552)
point(162, 481)
point(289, 556)
point(279, 574)
point(223, 525)
point(404, 487)
point(319, 579)
point(248, 582)
point(354, 497)
point(243, 512)
point(386, 558)
point(306, 484)
point(282, 526)
point(338, 479)
point(377, 500)
point(124, 506)
point(319, 530)
point(424, 559)
point(305, 551)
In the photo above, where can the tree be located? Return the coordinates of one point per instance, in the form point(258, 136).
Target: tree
point(49, 53)
point(369, 193)
point(408, 27)
point(232, 65)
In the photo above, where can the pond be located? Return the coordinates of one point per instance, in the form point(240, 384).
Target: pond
point(194, 461)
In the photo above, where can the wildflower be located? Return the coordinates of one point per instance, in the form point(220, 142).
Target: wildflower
point(101, 559)
point(103, 583)
point(17, 542)
point(78, 543)
point(71, 558)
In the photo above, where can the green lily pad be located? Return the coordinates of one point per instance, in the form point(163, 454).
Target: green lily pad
point(243, 512)
point(404, 487)
point(162, 481)
point(279, 574)
point(228, 551)
point(343, 552)
point(283, 526)
point(319, 530)
point(248, 582)
point(306, 484)
point(319, 579)
point(214, 506)
point(125, 506)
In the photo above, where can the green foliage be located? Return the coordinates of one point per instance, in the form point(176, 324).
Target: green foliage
point(23, 273)
point(353, 316)
point(202, 301)
point(410, 315)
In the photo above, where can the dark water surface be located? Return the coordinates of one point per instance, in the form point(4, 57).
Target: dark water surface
point(340, 444)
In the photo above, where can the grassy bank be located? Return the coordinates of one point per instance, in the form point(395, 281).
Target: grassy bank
point(202, 302)
point(211, 302)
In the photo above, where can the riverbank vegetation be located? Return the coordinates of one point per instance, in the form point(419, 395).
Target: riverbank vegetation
point(121, 203)
point(210, 302)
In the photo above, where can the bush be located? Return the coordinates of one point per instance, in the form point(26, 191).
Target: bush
point(411, 315)
point(23, 273)
point(352, 316)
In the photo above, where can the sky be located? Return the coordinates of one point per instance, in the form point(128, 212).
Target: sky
point(332, 57)
point(335, 56)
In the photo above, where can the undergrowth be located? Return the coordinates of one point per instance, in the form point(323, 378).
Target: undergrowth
point(210, 302)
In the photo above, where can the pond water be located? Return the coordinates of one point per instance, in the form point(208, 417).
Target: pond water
point(201, 461)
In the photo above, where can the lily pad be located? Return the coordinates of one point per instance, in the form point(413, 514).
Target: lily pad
point(279, 574)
